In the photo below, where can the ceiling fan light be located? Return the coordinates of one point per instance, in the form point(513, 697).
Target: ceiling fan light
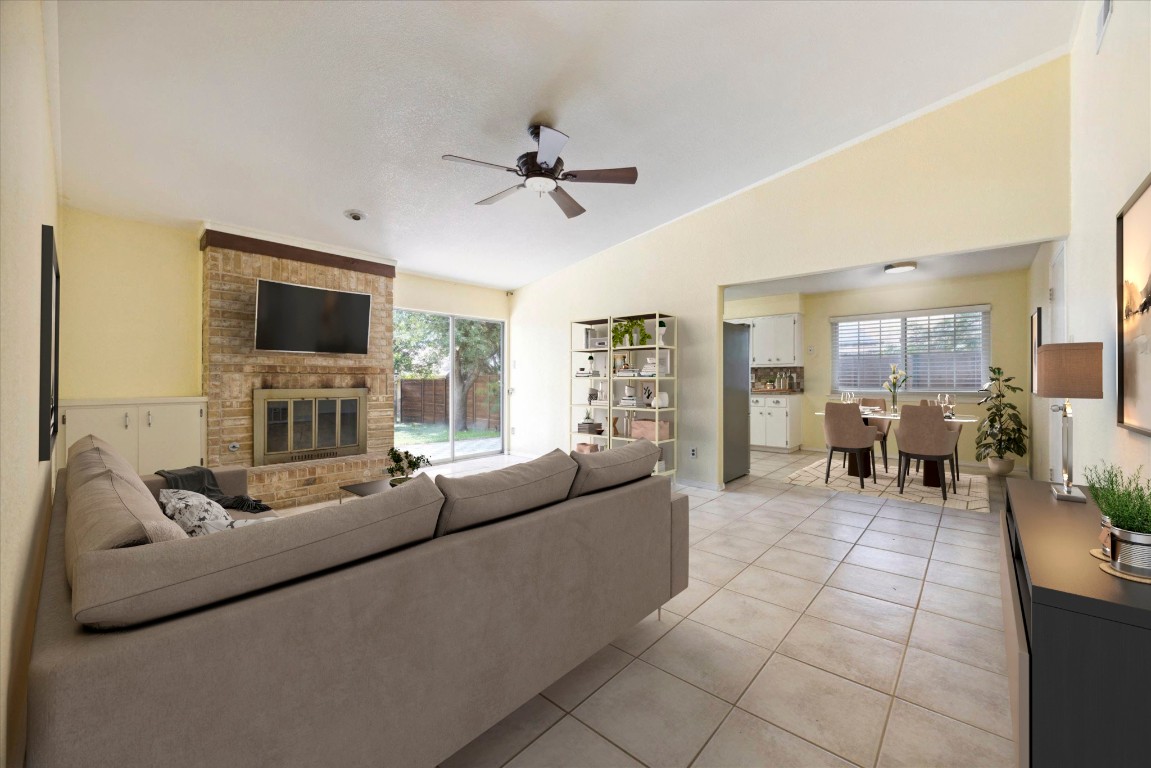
point(899, 267)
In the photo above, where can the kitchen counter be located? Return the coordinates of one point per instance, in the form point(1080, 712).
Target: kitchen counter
point(761, 392)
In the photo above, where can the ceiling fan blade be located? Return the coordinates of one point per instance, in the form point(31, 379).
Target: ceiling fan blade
point(604, 176)
point(566, 203)
point(500, 195)
point(551, 143)
point(468, 160)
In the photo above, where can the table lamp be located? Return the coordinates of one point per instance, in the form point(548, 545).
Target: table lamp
point(1069, 371)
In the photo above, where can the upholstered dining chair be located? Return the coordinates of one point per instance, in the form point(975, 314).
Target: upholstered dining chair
point(844, 430)
point(882, 426)
point(922, 434)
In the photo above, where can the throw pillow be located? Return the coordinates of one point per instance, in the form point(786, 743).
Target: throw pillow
point(198, 515)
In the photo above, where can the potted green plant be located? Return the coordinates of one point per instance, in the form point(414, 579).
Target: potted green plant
point(1124, 503)
point(1001, 431)
point(629, 333)
point(404, 464)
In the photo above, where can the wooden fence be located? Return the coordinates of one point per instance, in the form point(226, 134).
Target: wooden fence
point(426, 401)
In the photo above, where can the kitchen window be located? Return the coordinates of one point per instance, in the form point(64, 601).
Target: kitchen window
point(942, 350)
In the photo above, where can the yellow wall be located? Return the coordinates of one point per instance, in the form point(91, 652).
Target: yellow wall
point(985, 171)
point(1010, 339)
point(428, 294)
point(1110, 156)
point(762, 306)
point(27, 200)
point(131, 304)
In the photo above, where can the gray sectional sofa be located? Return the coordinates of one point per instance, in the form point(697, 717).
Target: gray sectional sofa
point(390, 630)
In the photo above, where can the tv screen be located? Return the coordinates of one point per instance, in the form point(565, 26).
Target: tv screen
point(297, 318)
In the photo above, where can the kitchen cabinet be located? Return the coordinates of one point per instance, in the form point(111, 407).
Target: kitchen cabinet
point(774, 422)
point(777, 341)
point(149, 433)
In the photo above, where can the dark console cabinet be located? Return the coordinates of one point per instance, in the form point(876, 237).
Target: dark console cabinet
point(1078, 639)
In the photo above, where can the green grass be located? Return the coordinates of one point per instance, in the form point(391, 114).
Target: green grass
point(418, 434)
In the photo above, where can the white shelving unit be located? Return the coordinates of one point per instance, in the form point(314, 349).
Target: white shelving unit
point(602, 374)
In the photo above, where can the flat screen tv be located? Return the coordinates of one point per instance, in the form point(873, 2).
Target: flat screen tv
point(299, 318)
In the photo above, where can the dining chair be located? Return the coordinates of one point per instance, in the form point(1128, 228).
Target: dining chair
point(844, 430)
point(923, 435)
point(882, 427)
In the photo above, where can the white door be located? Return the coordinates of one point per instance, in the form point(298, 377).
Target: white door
point(762, 337)
point(784, 340)
point(1056, 333)
point(776, 423)
point(758, 424)
point(170, 436)
point(115, 424)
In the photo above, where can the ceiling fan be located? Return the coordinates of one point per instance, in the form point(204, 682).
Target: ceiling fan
point(543, 169)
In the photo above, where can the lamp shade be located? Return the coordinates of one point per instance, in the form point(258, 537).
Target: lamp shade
point(1071, 370)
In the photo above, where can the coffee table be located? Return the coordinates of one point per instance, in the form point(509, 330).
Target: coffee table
point(366, 489)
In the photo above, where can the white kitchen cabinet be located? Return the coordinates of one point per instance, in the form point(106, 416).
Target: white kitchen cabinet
point(777, 341)
point(775, 422)
point(150, 433)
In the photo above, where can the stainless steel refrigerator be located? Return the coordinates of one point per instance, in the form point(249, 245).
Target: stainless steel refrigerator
point(736, 401)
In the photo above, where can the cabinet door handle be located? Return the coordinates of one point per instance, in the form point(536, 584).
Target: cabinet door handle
point(149, 418)
point(125, 419)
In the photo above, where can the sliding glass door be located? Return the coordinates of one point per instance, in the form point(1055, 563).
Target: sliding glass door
point(449, 385)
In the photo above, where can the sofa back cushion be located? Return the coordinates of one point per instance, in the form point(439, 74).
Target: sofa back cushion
point(123, 587)
point(110, 511)
point(607, 469)
point(477, 499)
point(89, 457)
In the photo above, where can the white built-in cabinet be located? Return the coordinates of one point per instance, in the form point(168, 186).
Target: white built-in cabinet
point(774, 422)
point(777, 341)
point(150, 433)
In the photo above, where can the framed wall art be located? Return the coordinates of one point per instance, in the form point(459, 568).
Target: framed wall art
point(1036, 341)
point(49, 342)
point(1133, 343)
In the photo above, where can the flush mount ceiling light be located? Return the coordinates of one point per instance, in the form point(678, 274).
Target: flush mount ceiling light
point(900, 266)
point(355, 215)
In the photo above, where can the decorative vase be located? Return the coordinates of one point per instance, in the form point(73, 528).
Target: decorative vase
point(1000, 467)
point(662, 331)
point(662, 400)
point(1105, 534)
point(1131, 552)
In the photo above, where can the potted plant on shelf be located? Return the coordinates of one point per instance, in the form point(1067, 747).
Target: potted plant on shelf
point(894, 382)
point(1002, 431)
point(629, 333)
point(404, 464)
point(1124, 503)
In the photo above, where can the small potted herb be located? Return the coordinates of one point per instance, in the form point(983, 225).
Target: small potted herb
point(1002, 431)
point(1124, 503)
point(404, 464)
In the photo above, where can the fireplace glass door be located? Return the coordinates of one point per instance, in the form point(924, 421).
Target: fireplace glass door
point(304, 424)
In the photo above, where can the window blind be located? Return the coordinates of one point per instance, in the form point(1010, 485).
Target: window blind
point(944, 350)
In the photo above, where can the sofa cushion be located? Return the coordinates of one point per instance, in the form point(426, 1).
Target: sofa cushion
point(127, 586)
point(90, 456)
point(476, 499)
point(108, 512)
point(607, 469)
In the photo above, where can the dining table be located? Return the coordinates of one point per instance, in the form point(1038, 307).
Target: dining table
point(931, 477)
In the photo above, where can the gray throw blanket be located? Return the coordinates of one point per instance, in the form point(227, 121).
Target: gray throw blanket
point(201, 480)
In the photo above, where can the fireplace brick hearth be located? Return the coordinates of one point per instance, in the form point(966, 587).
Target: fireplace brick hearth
point(233, 370)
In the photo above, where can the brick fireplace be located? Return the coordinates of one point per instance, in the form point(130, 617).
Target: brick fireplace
point(234, 371)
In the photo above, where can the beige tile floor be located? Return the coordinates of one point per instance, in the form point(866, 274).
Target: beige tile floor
point(817, 629)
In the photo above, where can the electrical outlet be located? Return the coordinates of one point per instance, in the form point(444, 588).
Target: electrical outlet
point(693, 453)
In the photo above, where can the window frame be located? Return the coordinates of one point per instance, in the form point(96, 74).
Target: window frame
point(904, 316)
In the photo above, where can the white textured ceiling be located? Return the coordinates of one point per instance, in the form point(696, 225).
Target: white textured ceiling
point(278, 116)
point(933, 268)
